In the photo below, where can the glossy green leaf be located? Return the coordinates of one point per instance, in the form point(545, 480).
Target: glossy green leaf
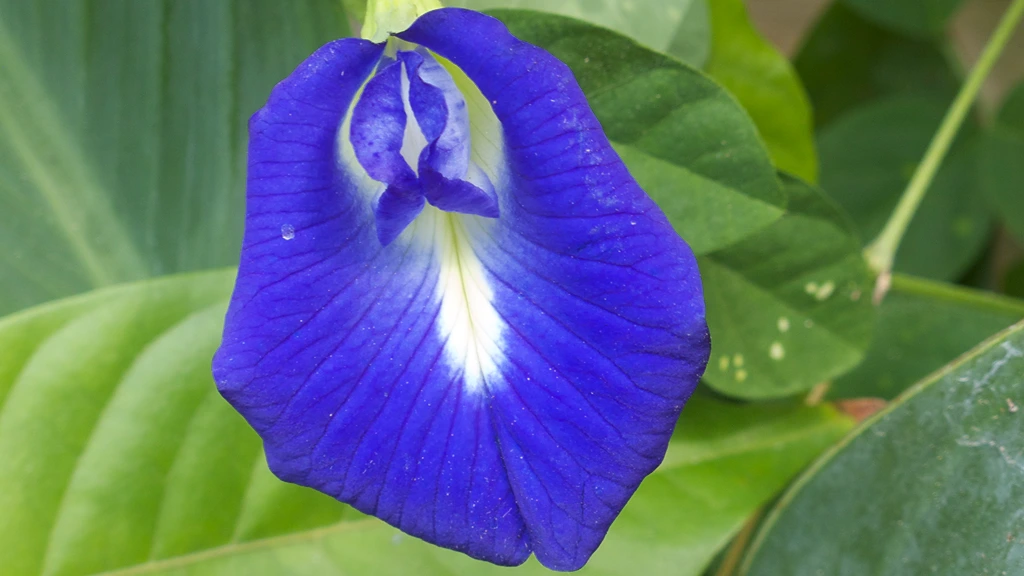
point(654, 23)
point(679, 518)
point(923, 325)
point(696, 153)
point(848, 60)
point(788, 307)
point(116, 451)
point(1001, 168)
point(918, 17)
point(763, 80)
point(122, 132)
point(115, 447)
point(687, 142)
point(868, 156)
point(931, 485)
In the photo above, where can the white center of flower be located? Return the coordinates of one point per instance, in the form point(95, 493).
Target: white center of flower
point(467, 323)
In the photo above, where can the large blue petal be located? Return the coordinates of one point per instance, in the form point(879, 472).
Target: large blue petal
point(602, 299)
point(496, 386)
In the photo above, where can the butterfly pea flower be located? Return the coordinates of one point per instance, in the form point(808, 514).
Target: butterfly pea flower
point(456, 310)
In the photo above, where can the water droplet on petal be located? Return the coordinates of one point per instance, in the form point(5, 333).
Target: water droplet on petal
point(287, 231)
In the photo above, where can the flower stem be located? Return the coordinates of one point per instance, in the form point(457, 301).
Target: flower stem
point(882, 251)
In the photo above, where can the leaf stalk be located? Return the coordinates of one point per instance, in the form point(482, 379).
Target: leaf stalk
point(881, 253)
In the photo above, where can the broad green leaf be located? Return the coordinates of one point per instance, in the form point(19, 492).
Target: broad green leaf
point(868, 156)
point(763, 80)
point(122, 132)
point(931, 485)
point(1002, 171)
point(116, 451)
point(696, 153)
point(653, 23)
point(687, 142)
point(679, 518)
point(917, 17)
point(788, 307)
point(848, 60)
point(692, 41)
point(115, 447)
point(923, 325)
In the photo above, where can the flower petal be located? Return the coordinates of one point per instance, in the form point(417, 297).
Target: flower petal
point(378, 128)
point(602, 299)
point(440, 110)
point(494, 386)
point(379, 125)
point(395, 210)
point(331, 350)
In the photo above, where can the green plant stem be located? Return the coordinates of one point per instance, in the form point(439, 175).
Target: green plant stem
point(957, 294)
point(882, 251)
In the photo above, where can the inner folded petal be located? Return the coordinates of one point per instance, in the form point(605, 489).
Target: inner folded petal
point(395, 209)
point(441, 112)
point(379, 128)
point(448, 178)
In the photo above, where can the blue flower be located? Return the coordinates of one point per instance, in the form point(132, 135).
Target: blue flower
point(456, 310)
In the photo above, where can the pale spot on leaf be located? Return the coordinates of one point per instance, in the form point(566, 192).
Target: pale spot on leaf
point(777, 352)
point(825, 290)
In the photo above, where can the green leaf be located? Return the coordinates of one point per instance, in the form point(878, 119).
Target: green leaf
point(1014, 281)
point(1011, 114)
point(1001, 169)
point(765, 83)
point(653, 23)
point(115, 447)
point(692, 40)
point(687, 142)
point(678, 519)
point(848, 60)
point(931, 485)
point(922, 326)
point(788, 307)
point(1002, 175)
point(696, 153)
point(868, 156)
point(916, 17)
point(122, 133)
point(117, 451)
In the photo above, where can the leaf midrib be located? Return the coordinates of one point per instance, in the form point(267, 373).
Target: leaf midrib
point(71, 205)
